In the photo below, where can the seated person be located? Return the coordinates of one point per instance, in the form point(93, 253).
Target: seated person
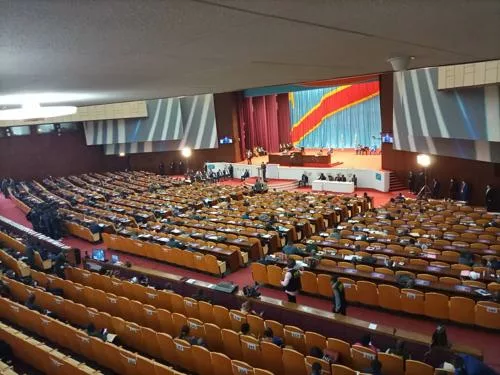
point(246, 215)
point(330, 178)
point(31, 303)
point(366, 342)
point(322, 177)
point(304, 180)
point(184, 335)
point(245, 330)
point(55, 291)
point(320, 152)
point(245, 175)
point(330, 151)
point(343, 178)
point(375, 368)
point(464, 364)
point(335, 234)
point(316, 369)
point(316, 352)
point(259, 186)
point(246, 308)
point(4, 290)
point(269, 337)
point(93, 332)
point(290, 248)
point(399, 350)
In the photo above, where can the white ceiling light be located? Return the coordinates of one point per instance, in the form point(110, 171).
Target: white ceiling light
point(45, 98)
point(35, 111)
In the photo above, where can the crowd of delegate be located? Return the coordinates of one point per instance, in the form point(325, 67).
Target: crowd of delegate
point(273, 208)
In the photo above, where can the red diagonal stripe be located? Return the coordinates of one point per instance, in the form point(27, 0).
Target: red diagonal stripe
point(332, 104)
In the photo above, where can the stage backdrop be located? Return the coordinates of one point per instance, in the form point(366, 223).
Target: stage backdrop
point(339, 117)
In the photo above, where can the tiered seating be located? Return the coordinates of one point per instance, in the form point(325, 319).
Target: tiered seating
point(167, 312)
point(38, 354)
point(185, 258)
point(146, 330)
point(119, 360)
point(18, 245)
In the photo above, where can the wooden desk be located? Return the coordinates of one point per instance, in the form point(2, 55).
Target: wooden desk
point(307, 318)
point(299, 159)
point(416, 268)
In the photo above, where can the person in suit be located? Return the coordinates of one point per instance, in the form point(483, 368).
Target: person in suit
point(355, 180)
point(263, 169)
point(411, 182)
point(464, 191)
point(436, 187)
point(490, 201)
point(452, 189)
point(322, 177)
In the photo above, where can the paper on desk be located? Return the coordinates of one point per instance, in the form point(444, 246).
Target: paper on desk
point(372, 326)
point(190, 281)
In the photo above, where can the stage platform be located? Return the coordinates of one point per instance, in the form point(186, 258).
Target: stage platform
point(341, 158)
point(367, 168)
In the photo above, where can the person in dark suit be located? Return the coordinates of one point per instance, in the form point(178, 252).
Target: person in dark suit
point(452, 189)
point(464, 191)
point(436, 187)
point(490, 198)
point(411, 182)
point(161, 168)
point(263, 168)
point(322, 177)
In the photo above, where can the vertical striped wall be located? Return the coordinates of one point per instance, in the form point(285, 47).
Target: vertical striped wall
point(463, 123)
point(421, 110)
point(171, 124)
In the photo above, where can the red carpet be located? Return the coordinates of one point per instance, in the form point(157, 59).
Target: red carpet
point(487, 342)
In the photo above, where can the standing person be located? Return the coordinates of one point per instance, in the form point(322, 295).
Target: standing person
point(161, 168)
point(339, 301)
point(263, 168)
point(60, 264)
point(490, 198)
point(436, 187)
point(411, 182)
point(452, 190)
point(249, 156)
point(464, 191)
point(231, 171)
point(291, 282)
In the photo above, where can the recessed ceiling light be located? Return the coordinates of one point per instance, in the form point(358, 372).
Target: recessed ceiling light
point(35, 111)
point(44, 98)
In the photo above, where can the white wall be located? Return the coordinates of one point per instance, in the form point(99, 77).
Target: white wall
point(367, 178)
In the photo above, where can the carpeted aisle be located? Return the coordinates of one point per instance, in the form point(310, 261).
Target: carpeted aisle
point(487, 342)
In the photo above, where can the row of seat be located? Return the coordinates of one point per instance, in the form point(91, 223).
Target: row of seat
point(39, 355)
point(434, 305)
point(492, 286)
point(205, 320)
point(19, 246)
point(108, 355)
point(185, 258)
point(80, 231)
point(154, 337)
point(19, 267)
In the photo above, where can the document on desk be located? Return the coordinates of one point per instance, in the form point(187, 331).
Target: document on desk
point(372, 326)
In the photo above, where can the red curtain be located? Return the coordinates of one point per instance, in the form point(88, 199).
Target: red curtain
point(284, 124)
point(264, 121)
